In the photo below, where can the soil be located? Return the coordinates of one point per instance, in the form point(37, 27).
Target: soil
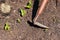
point(25, 30)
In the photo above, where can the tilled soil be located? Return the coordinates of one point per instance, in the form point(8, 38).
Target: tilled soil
point(23, 30)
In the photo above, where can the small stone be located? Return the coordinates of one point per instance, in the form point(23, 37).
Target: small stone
point(14, 11)
point(5, 8)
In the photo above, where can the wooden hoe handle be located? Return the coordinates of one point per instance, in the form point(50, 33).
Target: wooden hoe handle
point(40, 9)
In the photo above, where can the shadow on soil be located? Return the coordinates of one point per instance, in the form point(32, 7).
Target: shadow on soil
point(2, 1)
point(33, 25)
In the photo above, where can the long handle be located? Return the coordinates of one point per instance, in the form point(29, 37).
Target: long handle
point(40, 9)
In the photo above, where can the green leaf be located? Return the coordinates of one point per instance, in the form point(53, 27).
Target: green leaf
point(29, 4)
point(7, 27)
point(23, 12)
point(45, 29)
point(18, 20)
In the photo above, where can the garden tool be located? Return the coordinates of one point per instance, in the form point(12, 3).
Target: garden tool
point(39, 12)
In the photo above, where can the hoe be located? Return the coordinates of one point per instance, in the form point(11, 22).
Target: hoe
point(39, 12)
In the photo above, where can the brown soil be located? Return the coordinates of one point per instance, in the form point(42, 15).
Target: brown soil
point(23, 30)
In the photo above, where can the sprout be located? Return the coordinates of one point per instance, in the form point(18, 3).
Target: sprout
point(29, 4)
point(23, 12)
point(7, 26)
point(18, 20)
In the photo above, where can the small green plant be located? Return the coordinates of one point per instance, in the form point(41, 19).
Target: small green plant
point(45, 29)
point(18, 20)
point(7, 26)
point(29, 4)
point(23, 12)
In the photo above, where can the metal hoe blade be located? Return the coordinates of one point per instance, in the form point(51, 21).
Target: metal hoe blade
point(41, 25)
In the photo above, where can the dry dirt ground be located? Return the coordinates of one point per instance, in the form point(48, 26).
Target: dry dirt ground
point(23, 30)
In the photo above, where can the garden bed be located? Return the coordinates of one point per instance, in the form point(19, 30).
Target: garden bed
point(23, 30)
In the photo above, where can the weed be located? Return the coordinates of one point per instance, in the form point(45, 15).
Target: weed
point(7, 26)
point(23, 12)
